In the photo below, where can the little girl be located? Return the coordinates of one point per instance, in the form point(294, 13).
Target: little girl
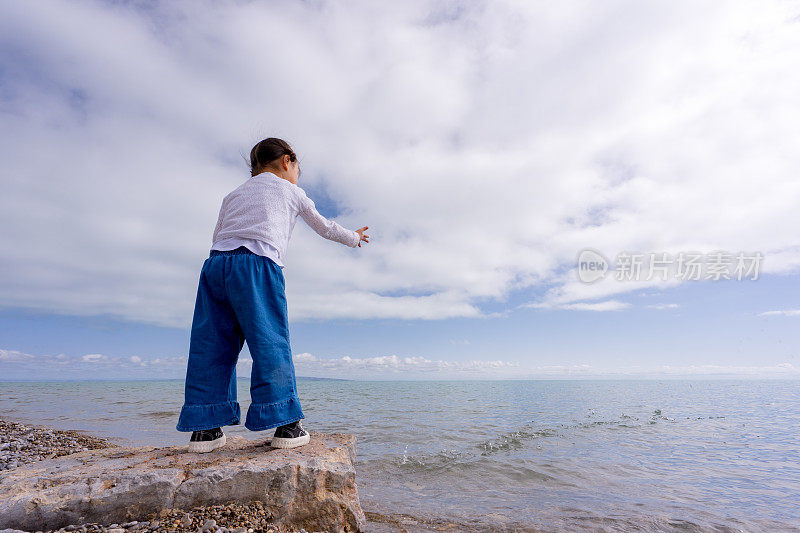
point(241, 297)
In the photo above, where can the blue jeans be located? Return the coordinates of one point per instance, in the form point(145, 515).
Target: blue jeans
point(241, 296)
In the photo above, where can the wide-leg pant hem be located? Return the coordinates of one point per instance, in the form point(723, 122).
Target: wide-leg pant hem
point(261, 416)
point(196, 417)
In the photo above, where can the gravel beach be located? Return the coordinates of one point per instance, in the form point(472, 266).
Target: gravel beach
point(25, 443)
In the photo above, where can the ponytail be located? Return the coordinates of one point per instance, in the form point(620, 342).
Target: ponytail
point(266, 152)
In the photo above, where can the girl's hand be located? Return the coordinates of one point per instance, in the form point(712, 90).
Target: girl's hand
point(364, 236)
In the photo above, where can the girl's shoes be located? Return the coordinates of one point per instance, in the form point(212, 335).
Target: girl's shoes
point(206, 440)
point(290, 436)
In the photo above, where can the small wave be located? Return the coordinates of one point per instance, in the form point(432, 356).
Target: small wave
point(475, 455)
point(568, 519)
point(632, 421)
point(442, 459)
point(514, 440)
point(160, 414)
point(586, 425)
point(517, 439)
point(467, 464)
point(422, 523)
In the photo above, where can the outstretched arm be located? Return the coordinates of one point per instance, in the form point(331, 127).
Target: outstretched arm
point(329, 229)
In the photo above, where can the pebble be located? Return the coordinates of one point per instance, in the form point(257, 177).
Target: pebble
point(24, 443)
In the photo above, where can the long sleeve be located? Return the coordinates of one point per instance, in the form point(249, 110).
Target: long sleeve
point(329, 229)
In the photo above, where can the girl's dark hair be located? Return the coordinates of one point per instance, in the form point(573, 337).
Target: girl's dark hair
point(267, 151)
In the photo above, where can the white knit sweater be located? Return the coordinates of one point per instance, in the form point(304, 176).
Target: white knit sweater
point(260, 214)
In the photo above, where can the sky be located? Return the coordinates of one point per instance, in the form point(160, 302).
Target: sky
point(485, 144)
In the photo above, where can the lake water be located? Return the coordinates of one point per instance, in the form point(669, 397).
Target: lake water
point(599, 455)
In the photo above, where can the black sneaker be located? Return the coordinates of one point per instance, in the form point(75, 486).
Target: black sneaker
point(289, 436)
point(206, 440)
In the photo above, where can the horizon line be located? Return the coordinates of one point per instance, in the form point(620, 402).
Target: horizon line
point(698, 377)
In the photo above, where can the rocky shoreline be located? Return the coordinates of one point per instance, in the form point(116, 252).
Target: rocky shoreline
point(21, 444)
point(24, 443)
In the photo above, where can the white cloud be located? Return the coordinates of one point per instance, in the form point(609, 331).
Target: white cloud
point(484, 147)
point(110, 361)
point(786, 369)
point(663, 306)
point(103, 366)
point(783, 370)
point(17, 364)
point(14, 356)
point(787, 312)
point(608, 305)
point(394, 363)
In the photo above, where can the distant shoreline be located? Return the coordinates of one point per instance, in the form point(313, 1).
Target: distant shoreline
point(310, 378)
point(307, 378)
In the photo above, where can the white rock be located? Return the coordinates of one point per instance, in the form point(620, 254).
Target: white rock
point(312, 486)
